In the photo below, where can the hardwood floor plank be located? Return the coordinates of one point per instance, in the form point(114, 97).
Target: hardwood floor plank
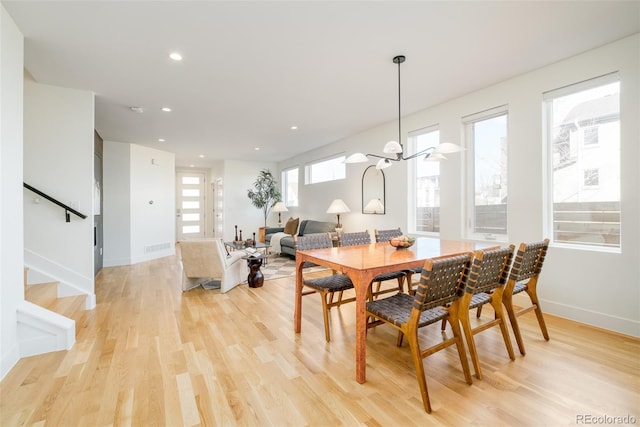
point(150, 354)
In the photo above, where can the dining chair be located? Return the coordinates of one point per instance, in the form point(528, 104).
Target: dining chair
point(364, 238)
point(385, 236)
point(325, 286)
point(523, 277)
point(487, 279)
point(437, 297)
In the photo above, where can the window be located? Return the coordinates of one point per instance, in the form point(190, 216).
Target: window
point(583, 162)
point(331, 169)
point(486, 135)
point(591, 177)
point(290, 187)
point(591, 135)
point(426, 180)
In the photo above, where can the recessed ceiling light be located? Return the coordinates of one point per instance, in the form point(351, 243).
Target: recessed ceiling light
point(201, 156)
point(294, 127)
point(175, 56)
point(192, 166)
point(161, 140)
point(257, 148)
point(136, 109)
point(166, 109)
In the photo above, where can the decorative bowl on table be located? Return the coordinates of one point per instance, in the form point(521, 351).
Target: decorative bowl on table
point(402, 242)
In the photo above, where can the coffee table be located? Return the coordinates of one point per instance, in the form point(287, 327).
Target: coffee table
point(261, 248)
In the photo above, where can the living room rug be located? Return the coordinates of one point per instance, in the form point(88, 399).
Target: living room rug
point(283, 266)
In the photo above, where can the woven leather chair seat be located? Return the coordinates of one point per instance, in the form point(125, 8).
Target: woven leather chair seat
point(333, 283)
point(397, 309)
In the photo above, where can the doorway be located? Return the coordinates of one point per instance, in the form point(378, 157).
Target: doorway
point(190, 205)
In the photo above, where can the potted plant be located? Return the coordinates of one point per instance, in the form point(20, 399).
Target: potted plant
point(264, 193)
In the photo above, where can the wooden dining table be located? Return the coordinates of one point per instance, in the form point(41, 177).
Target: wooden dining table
point(364, 262)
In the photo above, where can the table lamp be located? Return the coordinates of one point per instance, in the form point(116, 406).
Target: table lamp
point(279, 207)
point(337, 207)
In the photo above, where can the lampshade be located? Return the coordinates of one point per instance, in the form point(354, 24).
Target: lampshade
point(356, 158)
point(374, 206)
point(280, 207)
point(392, 147)
point(434, 157)
point(338, 206)
point(383, 164)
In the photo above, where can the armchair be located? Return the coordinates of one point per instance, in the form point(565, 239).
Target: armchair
point(206, 259)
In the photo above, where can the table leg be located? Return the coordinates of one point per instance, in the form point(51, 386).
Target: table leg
point(361, 281)
point(297, 313)
point(255, 279)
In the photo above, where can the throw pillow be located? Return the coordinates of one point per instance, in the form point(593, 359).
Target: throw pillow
point(291, 226)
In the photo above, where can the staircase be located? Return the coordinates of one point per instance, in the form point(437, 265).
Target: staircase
point(46, 322)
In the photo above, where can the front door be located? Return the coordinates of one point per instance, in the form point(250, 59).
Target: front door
point(190, 205)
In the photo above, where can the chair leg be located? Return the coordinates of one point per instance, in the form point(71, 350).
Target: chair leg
point(443, 326)
point(514, 322)
point(454, 321)
point(473, 352)
point(479, 312)
point(412, 336)
point(502, 322)
point(534, 300)
point(401, 284)
point(325, 314)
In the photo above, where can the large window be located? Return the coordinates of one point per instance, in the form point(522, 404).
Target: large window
point(290, 187)
point(325, 170)
point(583, 146)
point(487, 141)
point(426, 181)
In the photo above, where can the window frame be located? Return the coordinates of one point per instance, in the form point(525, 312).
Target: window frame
point(412, 187)
point(548, 167)
point(467, 124)
point(285, 184)
point(340, 158)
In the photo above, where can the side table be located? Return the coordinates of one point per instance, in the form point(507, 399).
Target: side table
point(255, 279)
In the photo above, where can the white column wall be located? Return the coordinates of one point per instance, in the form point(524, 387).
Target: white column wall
point(11, 222)
point(152, 203)
point(136, 230)
point(594, 287)
point(58, 160)
point(116, 194)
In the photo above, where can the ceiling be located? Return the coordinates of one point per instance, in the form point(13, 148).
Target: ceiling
point(253, 69)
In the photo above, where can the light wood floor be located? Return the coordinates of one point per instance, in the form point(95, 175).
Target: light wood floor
point(151, 355)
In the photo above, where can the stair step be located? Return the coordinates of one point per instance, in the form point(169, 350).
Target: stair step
point(46, 295)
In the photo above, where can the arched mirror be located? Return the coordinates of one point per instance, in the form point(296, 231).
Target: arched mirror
point(373, 192)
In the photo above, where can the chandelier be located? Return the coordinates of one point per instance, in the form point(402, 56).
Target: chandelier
point(395, 147)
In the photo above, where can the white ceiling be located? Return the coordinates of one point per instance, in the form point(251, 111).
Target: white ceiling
point(252, 69)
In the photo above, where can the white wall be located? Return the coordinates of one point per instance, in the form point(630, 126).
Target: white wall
point(152, 203)
point(238, 177)
point(599, 288)
point(139, 203)
point(116, 193)
point(58, 160)
point(11, 222)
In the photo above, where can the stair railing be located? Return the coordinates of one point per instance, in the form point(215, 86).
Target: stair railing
point(67, 209)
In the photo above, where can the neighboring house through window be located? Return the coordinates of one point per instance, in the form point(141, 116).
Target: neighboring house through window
point(583, 142)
